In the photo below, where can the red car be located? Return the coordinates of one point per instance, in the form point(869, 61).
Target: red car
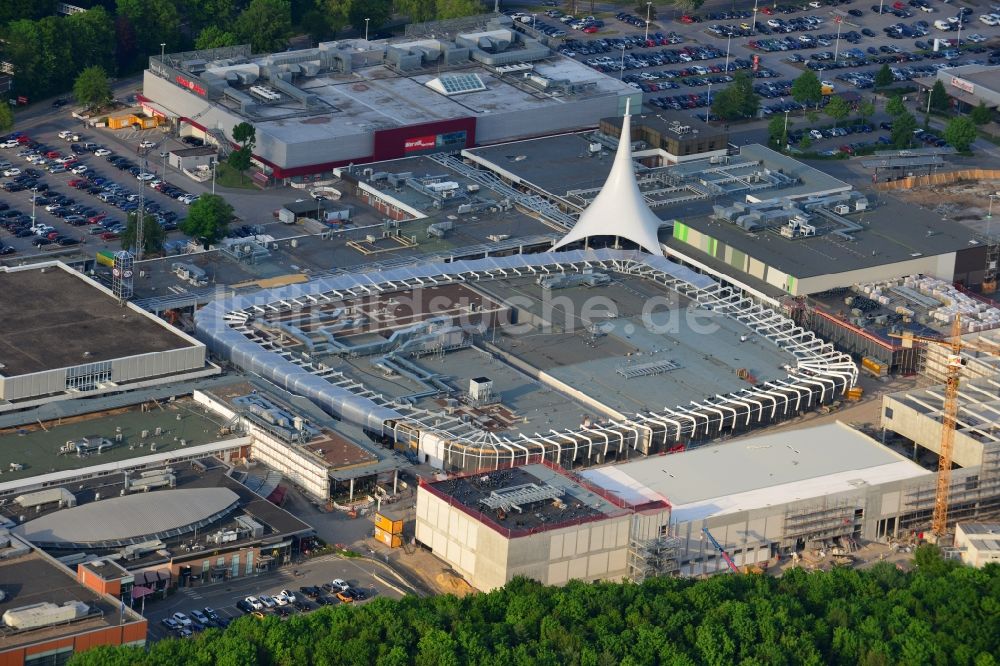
point(767, 10)
point(846, 150)
point(53, 154)
point(109, 235)
point(96, 218)
point(590, 29)
point(77, 182)
point(23, 139)
point(686, 19)
point(899, 5)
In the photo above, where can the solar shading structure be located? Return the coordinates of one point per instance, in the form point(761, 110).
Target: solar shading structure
point(456, 84)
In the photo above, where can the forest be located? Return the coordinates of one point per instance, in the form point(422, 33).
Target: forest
point(47, 50)
point(940, 613)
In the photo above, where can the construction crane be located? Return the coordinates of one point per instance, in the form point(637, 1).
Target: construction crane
point(718, 547)
point(955, 346)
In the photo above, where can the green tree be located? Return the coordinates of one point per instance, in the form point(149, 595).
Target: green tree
point(213, 37)
point(240, 160)
point(939, 97)
point(6, 117)
point(15, 10)
point(92, 87)
point(981, 114)
point(153, 234)
point(866, 110)
point(837, 109)
point(208, 218)
point(378, 13)
point(777, 130)
point(338, 13)
point(806, 142)
point(737, 100)
point(806, 89)
point(204, 13)
point(884, 77)
point(152, 22)
point(92, 35)
point(895, 107)
point(903, 127)
point(449, 9)
point(960, 133)
point(265, 24)
point(21, 49)
point(245, 134)
point(417, 11)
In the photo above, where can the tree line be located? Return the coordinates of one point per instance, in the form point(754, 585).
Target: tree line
point(941, 613)
point(48, 51)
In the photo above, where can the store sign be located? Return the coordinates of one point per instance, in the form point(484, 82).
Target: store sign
point(962, 84)
point(420, 143)
point(190, 85)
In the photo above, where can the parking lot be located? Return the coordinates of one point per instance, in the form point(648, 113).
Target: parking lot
point(222, 598)
point(682, 60)
point(90, 208)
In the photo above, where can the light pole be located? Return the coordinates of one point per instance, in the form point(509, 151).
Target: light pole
point(729, 41)
point(649, 6)
point(785, 135)
point(958, 44)
point(163, 51)
point(214, 163)
point(534, 22)
point(708, 107)
point(989, 214)
point(753, 30)
point(880, 3)
point(836, 49)
point(621, 70)
point(366, 29)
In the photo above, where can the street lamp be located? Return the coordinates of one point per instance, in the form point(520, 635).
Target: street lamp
point(534, 21)
point(708, 107)
point(958, 41)
point(753, 30)
point(729, 41)
point(621, 71)
point(989, 214)
point(215, 162)
point(836, 49)
point(649, 6)
point(366, 29)
point(163, 50)
point(880, 3)
point(785, 136)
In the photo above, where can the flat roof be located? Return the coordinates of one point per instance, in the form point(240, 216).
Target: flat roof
point(375, 96)
point(758, 471)
point(142, 515)
point(479, 493)
point(894, 231)
point(559, 164)
point(56, 318)
point(34, 578)
point(708, 350)
point(674, 124)
point(210, 474)
point(36, 449)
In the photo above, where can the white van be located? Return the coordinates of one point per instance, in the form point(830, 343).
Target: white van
point(942, 25)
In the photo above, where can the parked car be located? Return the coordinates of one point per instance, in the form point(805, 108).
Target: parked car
point(255, 603)
point(181, 619)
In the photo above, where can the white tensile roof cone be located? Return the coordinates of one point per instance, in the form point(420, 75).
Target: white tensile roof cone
point(619, 208)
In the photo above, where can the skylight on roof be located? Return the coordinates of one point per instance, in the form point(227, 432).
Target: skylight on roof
point(456, 84)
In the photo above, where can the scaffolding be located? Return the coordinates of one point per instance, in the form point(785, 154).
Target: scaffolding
point(648, 558)
point(820, 523)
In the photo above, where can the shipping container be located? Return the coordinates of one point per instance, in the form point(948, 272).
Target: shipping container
point(387, 524)
point(132, 120)
point(390, 540)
